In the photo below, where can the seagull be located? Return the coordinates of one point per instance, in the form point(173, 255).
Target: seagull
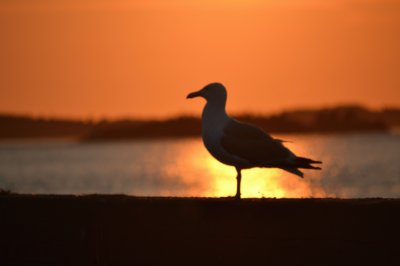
point(242, 145)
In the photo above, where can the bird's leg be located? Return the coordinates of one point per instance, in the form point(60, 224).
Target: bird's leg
point(238, 179)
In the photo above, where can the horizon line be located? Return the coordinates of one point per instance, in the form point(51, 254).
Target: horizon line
point(187, 114)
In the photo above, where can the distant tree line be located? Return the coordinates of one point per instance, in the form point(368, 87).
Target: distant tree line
point(327, 120)
point(13, 126)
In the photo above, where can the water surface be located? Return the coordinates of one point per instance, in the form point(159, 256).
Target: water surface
point(359, 165)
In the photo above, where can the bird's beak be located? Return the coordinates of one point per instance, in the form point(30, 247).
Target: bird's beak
point(193, 95)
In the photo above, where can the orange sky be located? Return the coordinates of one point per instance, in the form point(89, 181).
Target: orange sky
point(96, 58)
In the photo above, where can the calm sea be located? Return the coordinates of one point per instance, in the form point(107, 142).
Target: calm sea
point(356, 165)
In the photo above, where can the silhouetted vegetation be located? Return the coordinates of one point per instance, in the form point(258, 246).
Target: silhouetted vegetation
point(327, 120)
point(339, 119)
point(5, 191)
point(131, 129)
point(13, 126)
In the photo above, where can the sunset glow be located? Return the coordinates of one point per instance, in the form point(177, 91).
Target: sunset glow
point(93, 59)
point(207, 177)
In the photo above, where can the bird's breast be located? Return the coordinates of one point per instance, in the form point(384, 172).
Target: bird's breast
point(212, 136)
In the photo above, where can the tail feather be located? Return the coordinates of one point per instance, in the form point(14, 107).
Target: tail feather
point(303, 160)
point(308, 166)
point(293, 171)
point(305, 163)
point(293, 164)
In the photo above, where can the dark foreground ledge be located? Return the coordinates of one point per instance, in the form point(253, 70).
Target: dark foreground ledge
point(122, 230)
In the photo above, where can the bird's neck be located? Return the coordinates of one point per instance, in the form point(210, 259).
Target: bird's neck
point(215, 114)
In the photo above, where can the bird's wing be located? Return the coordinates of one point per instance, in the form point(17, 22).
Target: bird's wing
point(253, 144)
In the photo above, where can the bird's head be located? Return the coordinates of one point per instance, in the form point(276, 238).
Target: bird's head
point(213, 92)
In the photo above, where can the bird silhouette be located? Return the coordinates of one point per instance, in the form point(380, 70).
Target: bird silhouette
point(242, 145)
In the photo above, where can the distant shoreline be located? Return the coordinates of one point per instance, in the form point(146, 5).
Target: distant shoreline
point(125, 230)
point(344, 119)
point(75, 139)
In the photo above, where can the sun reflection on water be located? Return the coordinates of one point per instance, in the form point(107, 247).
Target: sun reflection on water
point(205, 176)
point(353, 166)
